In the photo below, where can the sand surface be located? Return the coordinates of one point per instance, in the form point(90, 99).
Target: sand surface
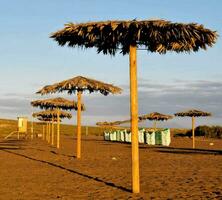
point(35, 170)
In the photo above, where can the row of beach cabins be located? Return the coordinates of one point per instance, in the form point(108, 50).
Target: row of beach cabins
point(145, 136)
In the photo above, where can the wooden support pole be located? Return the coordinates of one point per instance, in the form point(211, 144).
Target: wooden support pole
point(32, 129)
point(58, 129)
point(154, 125)
point(52, 132)
point(43, 132)
point(87, 130)
point(49, 132)
point(47, 137)
point(134, 120)
point(193, 133)
point(78, 152)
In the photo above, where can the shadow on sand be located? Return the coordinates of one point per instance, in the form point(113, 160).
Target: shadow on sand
point(58, 153)
point(11, 144)
point(71, 171)
point(175, 150)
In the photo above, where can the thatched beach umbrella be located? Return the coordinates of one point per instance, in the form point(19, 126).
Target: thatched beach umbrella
point(155, 116)
point(57, 103)
point(115, 123)
point(159, 36)
point(44, 123)
point(78, 85)
point(193, 114)
point(50, 115)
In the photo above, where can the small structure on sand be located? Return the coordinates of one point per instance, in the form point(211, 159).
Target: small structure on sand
point(193, 114)
point(155, 116)
point(22, 128)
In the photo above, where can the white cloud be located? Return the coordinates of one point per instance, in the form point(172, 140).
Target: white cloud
point(161, 97)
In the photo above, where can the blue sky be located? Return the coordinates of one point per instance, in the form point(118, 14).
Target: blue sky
point(167, 83)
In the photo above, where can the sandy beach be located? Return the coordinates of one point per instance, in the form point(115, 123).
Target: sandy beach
point(32, 169)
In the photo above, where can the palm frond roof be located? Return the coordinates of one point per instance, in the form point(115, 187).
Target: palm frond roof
point(155, 116)
point(52, 114)
point(193, 113)
point(112, 123)
point(59, 102)
point(154, 35)
point(81, 83)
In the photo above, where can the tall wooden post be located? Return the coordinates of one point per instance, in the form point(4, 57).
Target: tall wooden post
point(154, 125)
point(87, 130)
point(78, 152)
point(58, 129)
point(49, 132)
point(52, 131)
point(193, 134)
point(134, 120)
point(47, 139)
point(43, 132)
point(32, 129)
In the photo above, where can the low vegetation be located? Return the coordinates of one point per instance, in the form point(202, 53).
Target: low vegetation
point(8, 125)
point(204, 131)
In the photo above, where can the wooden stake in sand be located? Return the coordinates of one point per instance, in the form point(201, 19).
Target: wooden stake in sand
point(47, 131)
point(193, 133)
point(58, 129)
point(52, 131)
point(43, 132)
point(78, 154)
point(32, 129)
point(154, 125)
point(134, 119)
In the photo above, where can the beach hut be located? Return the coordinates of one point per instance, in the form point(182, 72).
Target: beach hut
point(193, 114)
point(122, 135)
point(157, 137)
point(110, 37)
point(79, 85)
point(106, 135)
point(49, 115)
point(141, 135)
point(57, 104)
point(150, 137)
